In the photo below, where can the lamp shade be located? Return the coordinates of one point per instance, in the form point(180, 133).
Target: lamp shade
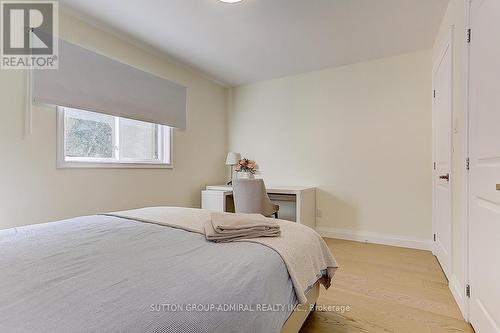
point(233, 158)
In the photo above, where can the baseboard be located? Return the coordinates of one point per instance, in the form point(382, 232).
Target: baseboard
point(458, 292)
point(376, 238)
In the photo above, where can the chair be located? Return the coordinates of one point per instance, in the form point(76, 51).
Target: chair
point(250, 197)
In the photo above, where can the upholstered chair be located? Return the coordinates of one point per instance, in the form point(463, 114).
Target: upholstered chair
point(250, 197)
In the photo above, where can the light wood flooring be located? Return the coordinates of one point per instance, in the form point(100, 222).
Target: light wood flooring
point(388, 289)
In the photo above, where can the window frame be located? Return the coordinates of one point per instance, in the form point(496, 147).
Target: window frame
point(165, 148)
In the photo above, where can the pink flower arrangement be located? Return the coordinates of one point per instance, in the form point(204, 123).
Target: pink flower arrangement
point(246, 165)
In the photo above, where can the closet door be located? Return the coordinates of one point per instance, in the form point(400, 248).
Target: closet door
point(442, 119)
point(484, 179)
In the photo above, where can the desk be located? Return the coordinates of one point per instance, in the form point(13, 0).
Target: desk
point(297, 203)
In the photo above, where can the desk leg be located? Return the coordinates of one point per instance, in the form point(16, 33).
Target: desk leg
point(306, 208)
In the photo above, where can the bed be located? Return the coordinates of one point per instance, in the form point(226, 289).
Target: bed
point(106, 273)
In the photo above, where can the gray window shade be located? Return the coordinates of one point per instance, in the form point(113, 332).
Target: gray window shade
point(89, 81)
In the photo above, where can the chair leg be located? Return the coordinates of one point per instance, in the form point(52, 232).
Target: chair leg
point(276, 215)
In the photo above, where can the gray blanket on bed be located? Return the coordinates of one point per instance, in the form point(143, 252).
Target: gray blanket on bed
point(108, 274)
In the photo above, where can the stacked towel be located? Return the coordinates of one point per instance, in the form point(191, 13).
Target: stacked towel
point(226, 227)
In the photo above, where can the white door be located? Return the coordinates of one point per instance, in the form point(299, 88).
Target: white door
point(442, 114)
point(484, 175)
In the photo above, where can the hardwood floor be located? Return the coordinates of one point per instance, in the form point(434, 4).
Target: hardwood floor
point(388, 289)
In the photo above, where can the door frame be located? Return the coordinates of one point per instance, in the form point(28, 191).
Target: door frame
point(465, 306)
point(447, 45)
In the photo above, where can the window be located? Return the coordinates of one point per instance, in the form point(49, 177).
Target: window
point(89, 139)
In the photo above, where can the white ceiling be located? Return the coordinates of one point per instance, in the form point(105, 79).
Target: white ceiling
point(262, 39)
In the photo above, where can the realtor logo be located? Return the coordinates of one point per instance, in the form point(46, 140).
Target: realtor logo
point(29, 34)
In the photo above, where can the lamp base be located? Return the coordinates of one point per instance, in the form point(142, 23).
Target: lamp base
point(230, 182)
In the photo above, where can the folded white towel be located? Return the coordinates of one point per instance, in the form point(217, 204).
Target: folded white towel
point(226, 227)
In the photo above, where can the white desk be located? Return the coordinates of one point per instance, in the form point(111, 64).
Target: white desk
point(297, 203)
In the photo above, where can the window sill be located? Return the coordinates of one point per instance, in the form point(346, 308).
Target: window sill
point(110, 165)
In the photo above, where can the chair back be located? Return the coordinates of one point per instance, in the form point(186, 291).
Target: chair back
point(250, 197)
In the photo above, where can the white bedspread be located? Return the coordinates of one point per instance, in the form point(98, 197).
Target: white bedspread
point(304, 252)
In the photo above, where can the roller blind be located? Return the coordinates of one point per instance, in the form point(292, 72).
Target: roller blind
point(90, 81)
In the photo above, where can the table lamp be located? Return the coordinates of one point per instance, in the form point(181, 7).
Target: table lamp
point(232, 159)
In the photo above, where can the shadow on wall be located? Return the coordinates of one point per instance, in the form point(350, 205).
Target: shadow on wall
point(336, 212)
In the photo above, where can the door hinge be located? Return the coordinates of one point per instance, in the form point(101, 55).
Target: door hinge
point(434, 237)
point(434, 165)
point(467, 163)
point(469, 33)
point(467, 290)
point(434, 92)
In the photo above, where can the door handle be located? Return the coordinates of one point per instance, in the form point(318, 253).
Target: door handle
point(445, 177)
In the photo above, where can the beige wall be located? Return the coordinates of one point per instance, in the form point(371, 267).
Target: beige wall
point(32, 190)
point(455, 18)
point(360, 133)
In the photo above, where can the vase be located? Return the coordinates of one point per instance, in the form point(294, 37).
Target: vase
point(245, 175)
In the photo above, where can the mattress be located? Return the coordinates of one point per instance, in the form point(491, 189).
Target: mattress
point(110, 274)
